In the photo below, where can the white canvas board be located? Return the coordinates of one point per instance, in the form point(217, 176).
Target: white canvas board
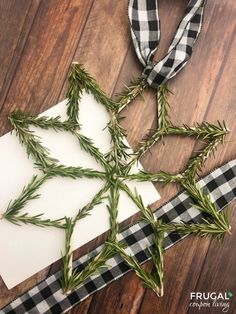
point(25, 250)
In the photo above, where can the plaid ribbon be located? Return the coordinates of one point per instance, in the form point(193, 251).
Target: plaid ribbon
point(47, 298)
point(145, 31)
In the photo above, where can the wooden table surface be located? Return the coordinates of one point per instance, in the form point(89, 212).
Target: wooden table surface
point(38, 42)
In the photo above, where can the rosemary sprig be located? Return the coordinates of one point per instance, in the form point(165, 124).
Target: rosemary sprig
point(137, 199)
point(75, 279)
point(147, 278)
point(161, 176)
point(75, 172)
point(205, 229)
point(195, 164)
point(204, 203)
point(22, 121)
point(118, 154)
point(94, 265)
point(134, 89)
point(88, 145)
point(113, 210)
point(86, 82)
point(28, 193)
point(157, 257)
point(32, 142)
point(162, 107)
point(74, 95)
point(67, 259)
point(19, 118)
point(205, 131)
point(163, 123)
point(97, 199)
point(147, 143)
point(154, 281)
point(36, 220)
point(117, 165)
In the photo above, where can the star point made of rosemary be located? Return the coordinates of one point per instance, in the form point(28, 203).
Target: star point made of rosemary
point(117, 164)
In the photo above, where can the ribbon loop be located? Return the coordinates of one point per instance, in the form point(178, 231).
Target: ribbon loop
point(145, 28)
point(145, 31)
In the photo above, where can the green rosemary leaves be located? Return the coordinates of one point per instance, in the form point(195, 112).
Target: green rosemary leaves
point(116, 169)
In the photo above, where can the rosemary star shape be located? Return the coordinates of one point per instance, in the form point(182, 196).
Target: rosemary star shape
point(117, 165)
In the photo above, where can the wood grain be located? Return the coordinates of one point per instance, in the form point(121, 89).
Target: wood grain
point(17, 16)
point(47, 56)
point(39, 42)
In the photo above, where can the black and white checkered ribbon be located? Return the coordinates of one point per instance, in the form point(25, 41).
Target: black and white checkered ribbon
point(47, 297)
point(145, 31)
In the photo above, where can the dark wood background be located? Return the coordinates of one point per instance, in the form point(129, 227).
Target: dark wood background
point(38, 42)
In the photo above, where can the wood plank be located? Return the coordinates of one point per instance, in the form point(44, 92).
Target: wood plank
point(82, 307)
point(216, 274)
point(16, 19)
point(47, 56)
point(180, 277)
point(120, 297)
point(222, 105)
point(104, 43)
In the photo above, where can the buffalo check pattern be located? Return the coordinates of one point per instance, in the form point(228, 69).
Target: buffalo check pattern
point(145, 32)
point(47, 298)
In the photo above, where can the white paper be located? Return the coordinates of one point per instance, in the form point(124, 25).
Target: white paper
point(28, 249)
